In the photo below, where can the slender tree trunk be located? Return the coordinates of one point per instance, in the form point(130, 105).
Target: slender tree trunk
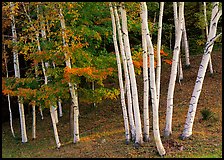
point(41, 112)
point(185, 45)
point(127, 78)
point(123, 104)
point(206, 29)
point(138, 139)
point(9, 102)
point(55, 128)
point(145, 83)
point(158, 66)
point(180, 70)
point(176, 19)
point(54, 112)
point(155, 107)
point(72, 87)
point(93, 88)
point(34, 122)
point(60, 108)
point(216, 13)
point(17, 75)
point(175, 61)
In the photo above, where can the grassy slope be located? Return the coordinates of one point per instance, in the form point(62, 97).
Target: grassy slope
point(102, 132)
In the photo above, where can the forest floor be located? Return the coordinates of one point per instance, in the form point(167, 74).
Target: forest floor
point(102, 131)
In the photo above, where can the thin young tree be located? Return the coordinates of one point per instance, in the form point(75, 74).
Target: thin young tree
point(206, 30)
point(8, 96)
point(145, 83)
point(155, 107)
point(216, 14)
point(123, 104)
point(175, 61)
point(186, 46)
point(179, 66)
point(17, 73)
point(52, 109)
point(127, 49)
point(72, 87)
point(158, 64)
point(34, 120)
point(126, 76)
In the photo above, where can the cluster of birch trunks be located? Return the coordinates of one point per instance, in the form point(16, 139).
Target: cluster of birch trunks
point(128, 86)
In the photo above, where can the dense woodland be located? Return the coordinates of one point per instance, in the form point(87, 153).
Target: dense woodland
point(70, 53)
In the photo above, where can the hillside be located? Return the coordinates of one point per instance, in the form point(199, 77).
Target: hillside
point(102, 131)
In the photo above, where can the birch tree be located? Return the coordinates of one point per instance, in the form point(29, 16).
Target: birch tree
point(127, 49)
point(8, 96)
point(206, 30)
point(17, 73)
point(175, 61)
point(158, 64)
point(145, 83)
point(179, 66)
point(216, 14)
point(72, 87)
point(155, 107)
point(185, 45)
point(127, 77)
point(34, 121)
point(52, 109)
point(123, 104)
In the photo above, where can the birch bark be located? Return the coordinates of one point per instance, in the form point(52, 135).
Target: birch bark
point(34, 121)
point(169, 111)
point(176, 19)
point(127, 78)
point(145, 83)
point(186, 46)
point(17, 75)
point(216, 14)
point(138, 139)
point(158, 66)
point(55, 128)
point(206, 29)
point(9, 102)
point(72, 87)
point(155, 107)
point(123, 104)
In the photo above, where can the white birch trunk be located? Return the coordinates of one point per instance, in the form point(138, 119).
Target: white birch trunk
point(176, 19)
point(93, 88)
point(41, 112)
point(186, 46)
point(155, 107)
point(119, 68)
point(127, 78)
point(55, 113)
point(55, 128)
point(17, 75)
point(72, 87)
point(158, 66)
point(127, 49)
point(180, 70)
point(9, 102)
point(22, 121)
point(76, 116)
point(216, 13)
point(206, 29)
point(34, 122)
point(60, 108)
point(10, 114)
point(145, 83)
point(175, 61)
